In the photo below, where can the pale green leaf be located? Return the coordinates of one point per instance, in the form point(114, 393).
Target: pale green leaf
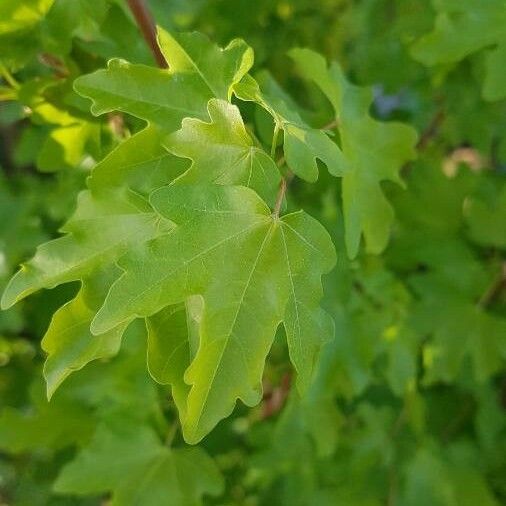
point(140, 163)
point(198, 72)
point(302, 144)
point(193, 54)
point(100, 230)
point(223, 152)
point(68, 340)
point(372, 152)
point(253, 271)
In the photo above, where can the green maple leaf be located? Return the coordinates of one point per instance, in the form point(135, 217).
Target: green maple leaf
point(109, 217)
point(48, 426)
point(253, 271)
point(140, 163)
point(170, 350)
point(484, 222)
point(302, 144)
point(99, 231)
point(461, 331)
point(223, 152)
point(198, 72)
point(372, 152)
point(68, 341)
point(462, 28)
point(147, 473)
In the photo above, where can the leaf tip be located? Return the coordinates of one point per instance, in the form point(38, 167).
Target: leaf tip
point(11, 294)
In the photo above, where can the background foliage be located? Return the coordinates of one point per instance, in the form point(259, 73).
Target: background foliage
point(407, 406)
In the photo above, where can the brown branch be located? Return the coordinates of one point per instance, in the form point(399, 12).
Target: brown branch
point(275, 398)
point(431, 131)
point(117, 125)
point(494, 289)
point(54, 63)
point(146, 24)
point(283, 185)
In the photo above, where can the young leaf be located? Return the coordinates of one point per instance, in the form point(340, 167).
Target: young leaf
point(223, 152)
point(372, 152)
point(198, 72)
point(302, 143)
point(253, 271)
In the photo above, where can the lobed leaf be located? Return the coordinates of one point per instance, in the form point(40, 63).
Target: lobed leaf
point(253, 271)
point(147, 472)
point(302, 145)
point(198, 72)
point(372, 152)
point(68, 341)
point(100, 230)
point(223, 152)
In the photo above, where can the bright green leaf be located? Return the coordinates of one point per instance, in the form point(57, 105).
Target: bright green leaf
point(302, 145)
point(99, 231)
point(372, 152)
point(68, 340)
point(251, 269)
point(223, 152)
point(198, 72)
point(140, 163)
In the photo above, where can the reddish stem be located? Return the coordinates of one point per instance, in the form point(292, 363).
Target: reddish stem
point(146, 24)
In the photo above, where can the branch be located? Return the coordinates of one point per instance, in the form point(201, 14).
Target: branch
point(275, 399)
point(146, 24)
point(431, 131)
point(54, 63)
point(494, 289)
point(280, 197)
